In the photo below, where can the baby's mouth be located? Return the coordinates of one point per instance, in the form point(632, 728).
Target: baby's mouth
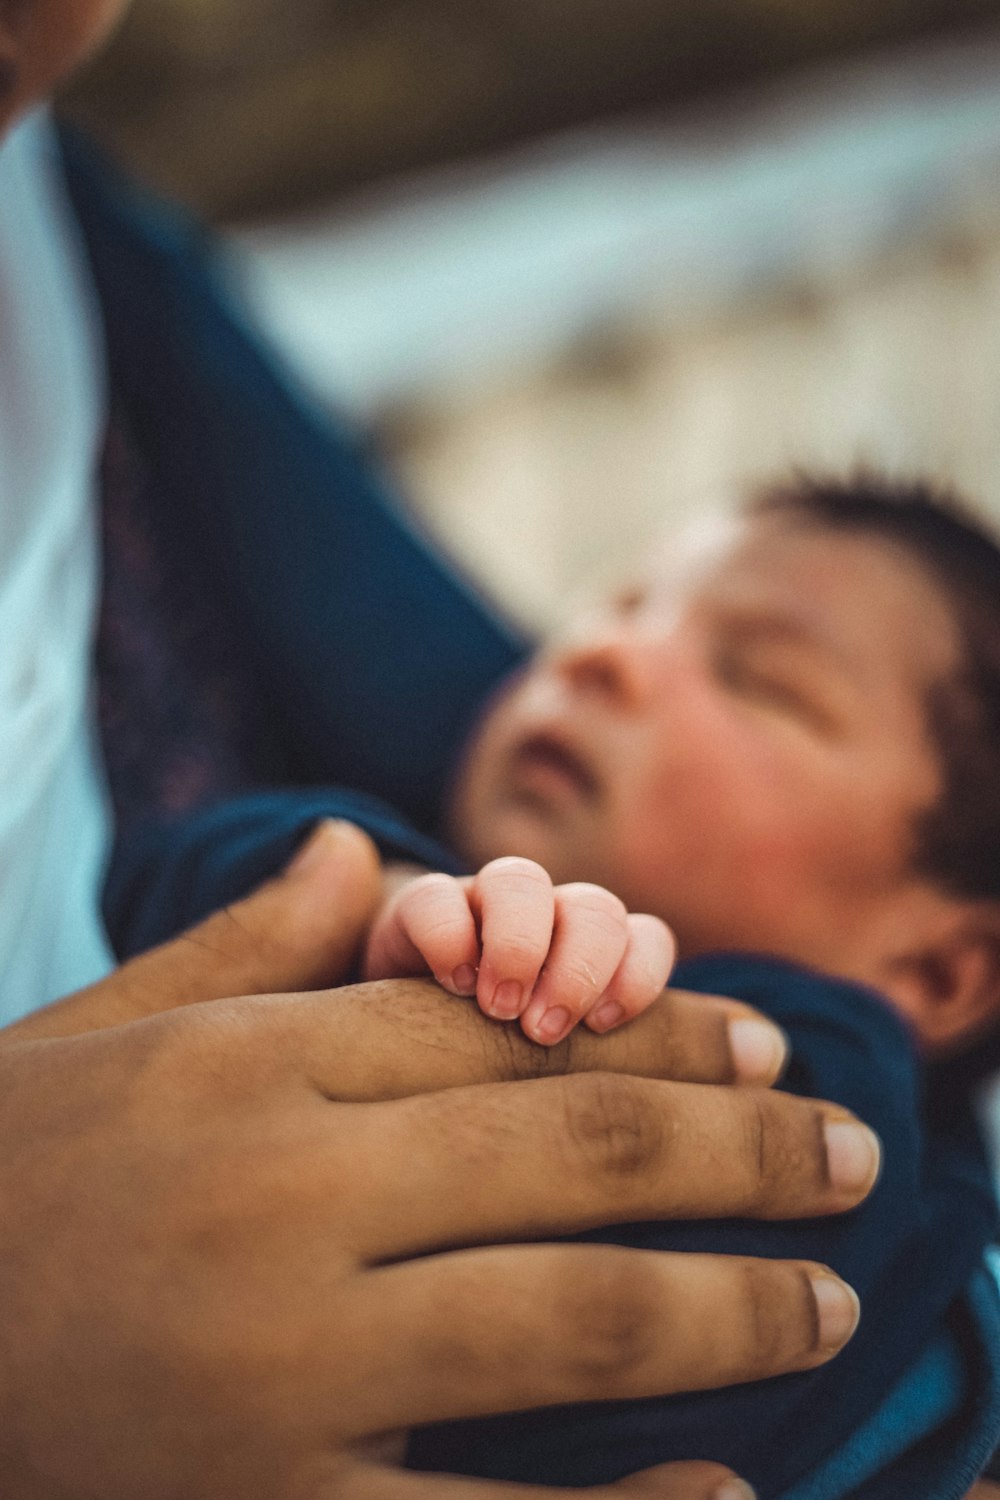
point(545, 763)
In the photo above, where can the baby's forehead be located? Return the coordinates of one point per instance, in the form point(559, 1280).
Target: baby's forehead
point(858, 589)
point(779, 549)
point(687, 551)
point(720, 546)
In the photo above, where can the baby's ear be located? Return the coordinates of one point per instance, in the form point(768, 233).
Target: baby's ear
point(949, 989)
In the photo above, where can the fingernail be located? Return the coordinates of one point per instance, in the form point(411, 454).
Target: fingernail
point(316, 847)
point(507, 1000)
point(838, 1310)
point(853, 1155)
point(606, 1016)
point(552, 1024)
point(734, 1489)
point(759, 1049)
point(463, 981)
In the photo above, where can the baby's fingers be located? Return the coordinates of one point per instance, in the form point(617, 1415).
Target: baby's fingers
point(589, 942)
point(515, 904)
point(640, 977)
point(430, 927)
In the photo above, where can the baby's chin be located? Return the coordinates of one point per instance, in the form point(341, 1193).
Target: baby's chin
point(523, 830)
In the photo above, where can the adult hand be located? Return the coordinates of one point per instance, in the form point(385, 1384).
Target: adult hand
point(227, 1261)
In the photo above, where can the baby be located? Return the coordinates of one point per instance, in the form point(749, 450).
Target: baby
point(784, 739)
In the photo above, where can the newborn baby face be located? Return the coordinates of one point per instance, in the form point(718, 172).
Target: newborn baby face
point(738, 745)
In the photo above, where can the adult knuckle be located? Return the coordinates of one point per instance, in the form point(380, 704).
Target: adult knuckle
point(787, 1143)
point(759, 1149)
point(613, 1126)
point(610, 1316)
point(776, 1313)
point(771, 1156)
point(761, 1315)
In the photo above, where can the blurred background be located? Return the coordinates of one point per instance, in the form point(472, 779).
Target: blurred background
point(582, 268)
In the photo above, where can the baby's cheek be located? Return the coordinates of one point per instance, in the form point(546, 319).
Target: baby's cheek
point(701, 859)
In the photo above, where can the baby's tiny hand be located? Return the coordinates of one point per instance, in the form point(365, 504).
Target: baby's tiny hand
point(551, 955)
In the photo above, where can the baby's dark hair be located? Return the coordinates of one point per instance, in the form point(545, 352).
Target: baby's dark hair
point(957, 841)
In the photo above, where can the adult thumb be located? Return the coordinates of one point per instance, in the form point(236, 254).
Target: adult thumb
point(298, 931)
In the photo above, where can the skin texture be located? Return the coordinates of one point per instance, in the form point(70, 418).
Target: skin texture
point(739, 745)
point(550, 955)
point(289, 1189)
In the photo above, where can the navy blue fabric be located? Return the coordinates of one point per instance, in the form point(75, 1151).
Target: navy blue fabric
point(168, 875)
point(372, 655)
point(936, 1428)
point(947, 1462)
point(930, 1395)
point(909, 1250)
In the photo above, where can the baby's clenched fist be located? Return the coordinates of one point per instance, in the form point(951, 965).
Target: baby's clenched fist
point(550, 955)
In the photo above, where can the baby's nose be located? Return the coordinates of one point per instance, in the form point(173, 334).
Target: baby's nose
point(617, 666)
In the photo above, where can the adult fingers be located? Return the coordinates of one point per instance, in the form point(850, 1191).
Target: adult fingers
point(394, 1038)
point(641, 975)
point(588, 944)
point(366, 1481)
point(690, 1037)
point(515, 904)
point(523, 1326)
point(296, 932)
point(535, 1159)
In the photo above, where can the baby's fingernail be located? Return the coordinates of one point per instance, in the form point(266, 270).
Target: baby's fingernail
point(552, 1024)
point(606, 1016)
point(463, 981)
point(838, 1310)
point(508, 998)
point(853, 1155)
point(734, 1489)
point(759, 1049)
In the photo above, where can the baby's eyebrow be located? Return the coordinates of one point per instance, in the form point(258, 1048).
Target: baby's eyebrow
point(759, 624)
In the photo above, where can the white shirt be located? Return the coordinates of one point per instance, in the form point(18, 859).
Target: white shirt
point(54, 825)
